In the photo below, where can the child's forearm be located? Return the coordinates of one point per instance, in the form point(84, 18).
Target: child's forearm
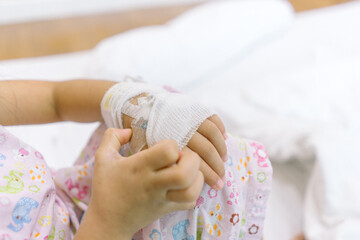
point(92, 227)
point(34, 102)
point(79, 100)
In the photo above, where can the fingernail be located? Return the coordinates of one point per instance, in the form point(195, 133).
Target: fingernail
point(225, 136)
point(219, 184)
point(225, 158)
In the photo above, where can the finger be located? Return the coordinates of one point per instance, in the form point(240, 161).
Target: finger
point(210, 131)
point(189, 194)
point(113, 139)
point(162, 154)
point(180, 175)
point(180, 206)
point(220, 125)
point(207, 152)
point(210, 177)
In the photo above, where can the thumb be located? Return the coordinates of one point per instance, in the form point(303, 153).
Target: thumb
point(113, 139)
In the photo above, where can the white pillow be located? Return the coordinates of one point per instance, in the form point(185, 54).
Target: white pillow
point(196, 44)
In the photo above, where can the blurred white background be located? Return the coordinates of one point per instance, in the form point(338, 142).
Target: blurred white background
point(15, 11)
point(296, 90)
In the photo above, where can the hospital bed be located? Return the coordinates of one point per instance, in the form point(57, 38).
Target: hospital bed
point(295, 88)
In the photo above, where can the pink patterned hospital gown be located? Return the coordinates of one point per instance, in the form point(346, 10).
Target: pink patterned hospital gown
point(39, 203)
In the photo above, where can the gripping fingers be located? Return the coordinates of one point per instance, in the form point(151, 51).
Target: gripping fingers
point(211, 178)
point(211, 132)
point(180, 175)
point(207, 152)
point(189, 194)
point(112, 140)
point(180, 206)
point(162, 155)
point(219, 124)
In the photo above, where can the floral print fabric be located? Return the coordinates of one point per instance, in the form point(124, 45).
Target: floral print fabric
point(31, 206)
point(36, 203)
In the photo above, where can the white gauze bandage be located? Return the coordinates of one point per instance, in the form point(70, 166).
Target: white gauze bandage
point(158, 114)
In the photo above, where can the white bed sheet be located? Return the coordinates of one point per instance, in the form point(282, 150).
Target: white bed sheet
point(299, 96)
point(321, 45)
point(52, 140)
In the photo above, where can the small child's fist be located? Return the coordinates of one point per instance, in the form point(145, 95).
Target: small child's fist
point(129, 193)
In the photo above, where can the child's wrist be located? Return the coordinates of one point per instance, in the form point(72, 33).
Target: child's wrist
point(94, 227)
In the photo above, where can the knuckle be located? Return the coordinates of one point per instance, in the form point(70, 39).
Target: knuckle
point(194, 157)
point(180, 178)
point(212, 129)
point(109, 132)
point(209, 150)
point(214, 133)
point(170, 149)
point(172, 144)
point(219, 123)
point(190, 195)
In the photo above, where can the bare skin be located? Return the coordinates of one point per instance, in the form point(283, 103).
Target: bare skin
point(161, 187)
point(35, 102)
point(177, 185)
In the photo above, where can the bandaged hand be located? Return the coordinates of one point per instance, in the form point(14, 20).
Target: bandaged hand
point(155, 115)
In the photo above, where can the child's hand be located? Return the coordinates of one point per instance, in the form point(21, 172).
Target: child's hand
point(129, 193)
point(208, 142)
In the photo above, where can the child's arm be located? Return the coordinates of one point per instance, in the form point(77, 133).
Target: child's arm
point(33, 102)
point(150, 186)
